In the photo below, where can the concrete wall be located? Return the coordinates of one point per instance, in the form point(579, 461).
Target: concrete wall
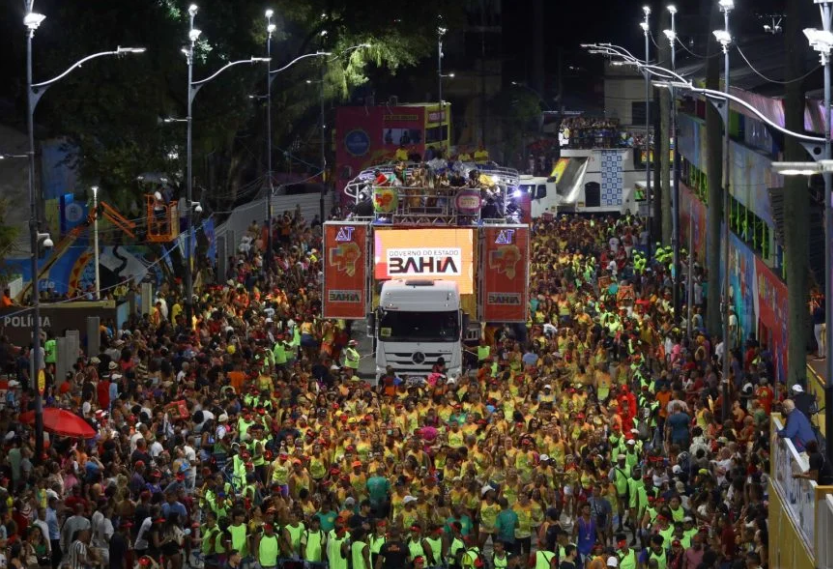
point(623, 87)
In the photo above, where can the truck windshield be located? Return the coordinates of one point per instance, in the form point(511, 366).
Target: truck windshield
point(419, 326)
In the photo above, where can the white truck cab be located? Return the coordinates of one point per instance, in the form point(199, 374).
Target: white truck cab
point(543, 195)
point(417, 323)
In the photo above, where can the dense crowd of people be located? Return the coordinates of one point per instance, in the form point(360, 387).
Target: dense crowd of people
point(591, 437)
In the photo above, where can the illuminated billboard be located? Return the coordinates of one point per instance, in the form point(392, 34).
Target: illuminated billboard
point(441, 254)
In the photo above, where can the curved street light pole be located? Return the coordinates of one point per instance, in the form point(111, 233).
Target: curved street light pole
point(34, 92)
point(646, 30)
point(193, 89)
point(270, 29)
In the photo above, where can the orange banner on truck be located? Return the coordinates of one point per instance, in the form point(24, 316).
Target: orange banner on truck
point(505, 266)
point(345, 271)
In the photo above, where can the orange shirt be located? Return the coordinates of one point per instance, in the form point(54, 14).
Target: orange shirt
point(663, 398)
point(237, 378)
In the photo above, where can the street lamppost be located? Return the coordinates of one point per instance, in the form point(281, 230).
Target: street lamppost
point(724, 38)
point(95, 244)
point(822, 42)
point(34, 92)
point(270, 29)
point(441, 31)
point(273, 73)
point(646, 30)
point(322, 122)
point(193, 89)
point(675, 217)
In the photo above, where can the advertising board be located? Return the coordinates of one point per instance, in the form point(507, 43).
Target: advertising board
point(443, 254)
point(505, 294)
point(345, 271)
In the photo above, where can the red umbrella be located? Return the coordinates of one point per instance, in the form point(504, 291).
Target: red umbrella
point(61, 422)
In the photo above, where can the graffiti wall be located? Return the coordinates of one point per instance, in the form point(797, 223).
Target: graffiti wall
point(693, 215)
point(771, 303)
point(689, 134)
point(74, 272)
point(751, 178)
point(742, 287)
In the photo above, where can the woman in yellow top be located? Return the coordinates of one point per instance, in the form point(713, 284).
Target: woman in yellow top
point(497, 472)
point(397, 498)
point(318, 463)
point(409, 515)
point(391, 445)
point(457, 494)
point(363, 445)
point(487, 514)
point(511, 487)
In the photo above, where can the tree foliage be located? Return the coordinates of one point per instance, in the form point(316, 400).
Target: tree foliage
point(110, 109)
point(519, 112)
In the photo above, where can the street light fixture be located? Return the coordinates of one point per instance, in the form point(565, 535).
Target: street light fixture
point(95, 244)
point(802, 168)
point(270, 29)
point(646, 31)
point(822, 42)
point(4, 156)
point(441, 31)
point(671, 35)
point(193, 89)
point(34, 91)
point(724, 38)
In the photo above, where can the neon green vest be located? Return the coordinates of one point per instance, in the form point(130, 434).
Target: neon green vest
point(238, 539)
point(543, 559)
point(267, 551)
point(312, 552)
point(358, 555)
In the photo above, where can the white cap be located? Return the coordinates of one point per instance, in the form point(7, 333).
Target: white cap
point(676, 469)
point(222, 418)
point(544, 458)
point(486, 489)
point(409, 499)
point(798, 389)
point(612, 561)
point(631, 442)
point(548, 386)
point(451, 380)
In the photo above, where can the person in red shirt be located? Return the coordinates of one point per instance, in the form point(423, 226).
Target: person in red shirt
point(765, 395)
point(102, 390)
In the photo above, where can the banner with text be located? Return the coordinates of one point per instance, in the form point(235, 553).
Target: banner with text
point(505, 265)
point(345, 271)
point(436, 254)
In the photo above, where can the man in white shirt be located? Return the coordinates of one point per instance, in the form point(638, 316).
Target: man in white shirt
point(156, 448)
point(183, 373)
point(102, 529)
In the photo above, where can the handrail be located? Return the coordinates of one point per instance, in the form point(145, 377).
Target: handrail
point(797, 494)
point(811, 372)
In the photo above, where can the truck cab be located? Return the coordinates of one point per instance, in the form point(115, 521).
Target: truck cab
point(417, 323)
point(541, 193)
